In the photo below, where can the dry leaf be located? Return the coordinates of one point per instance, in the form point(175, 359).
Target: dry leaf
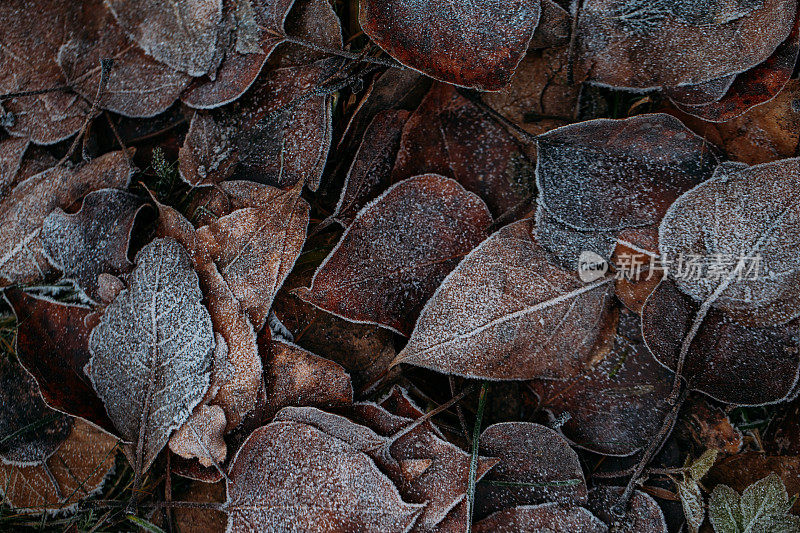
point(549, 517)
point(11, 152)
point(643, 515)
point(201, 436)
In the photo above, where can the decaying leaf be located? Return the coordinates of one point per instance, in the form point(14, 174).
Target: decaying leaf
point(201, 436)
point(710, 427)
point(182, 35)
point(643, 515)
point(206, 156)
point(76, 471)
point(507, 312)
point(618, 406)
point(202, 520)
point(451, 136)
point(475, 44)
point(11, 152)
point(662, 43)
point(398, 250)
point(549, 517)
point(297, 478)
point(27, 205)
point(151, 353)
point(30, 431)
point(738, 235)
point(536, 466)
point(94, 240)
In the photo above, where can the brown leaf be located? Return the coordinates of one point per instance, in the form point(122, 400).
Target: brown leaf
point(79, 468)
point(202, 520)
point(753, 87)
point(643, 515)
point(604, 176)
point(555, 25)
point(181, 35)
point(94, 240)
point(295, 477)
point(137, 85)
point(32, 37)
point(645, 44)
point(53, 345)
point(371, 171)
point(728, 361)
point(507, 312)
point(29, 203)
point(548, 517)
point(398, 250)
point(151, 353)
point(30, 431)
point(451, 136)
point(201, 436)
point(477, 44)
point(710, 427)
point(207, 155)
point(743, 226)
point(11, 152)
point(618, 406)
point(255, 248)
point(529, 454)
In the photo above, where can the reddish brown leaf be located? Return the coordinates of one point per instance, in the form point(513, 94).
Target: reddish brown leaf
point(728, 361)
point(202, 520)
point(555, 25)
point(533, 456)
point(201, 436)
point(644, 44)
point(296, 478)
point(548, 517)
point(643, 515)
point(25, 207)
point(451, 136)
point(398, 250)
point(94, 240)
point(53, 345)
point(11, 152)
point(475, 45)
point(710, 427)
point(207, 155)
point(617, 407)
point(507, 312)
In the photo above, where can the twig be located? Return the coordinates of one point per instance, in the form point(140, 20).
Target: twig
point(344, 53)
point(475, 98)
point(473, 462)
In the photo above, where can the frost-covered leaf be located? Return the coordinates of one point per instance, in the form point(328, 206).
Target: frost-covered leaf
point(536, 466)
point(94, 240)
point(751, 88)
point(699, 468)
point(53, 345)
point(692, 503)
point(472, 44)
point(604, 176)
point(136, 85)
point(643, 515)
point(730, 362)
point(451, 136)
point(762, 500)
point(181, 34)
point(207, 155)
point(27, 205)
point(255, 248)
point(296, 478)
point(724, 511)
point(618, 406)
point(76, 471)
point(647, 43)
point(201, 436)
point(398, 250)
point(507, 312)
point(371, 171)
point(30, 431)
point(761, 508)
point(152, 350)
point(743, 228)
point(31, 40)
point(547, 517)
point(11, 152)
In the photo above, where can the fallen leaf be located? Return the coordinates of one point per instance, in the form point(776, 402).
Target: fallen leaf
point(76, 471)
point(548, 517)
point(645, 44)
point(536, 465)
point(201, 436)
point(295, 478)
point(710, 427)
point(202, 520)
point(618, 406)
point(207, 155)
point(94, 240)
point(643, 515)
point(27, 205)
point(397, 251)
point(182, 35)
point(475, 45)
point(11, 152)
point(151, 352)
point(742, 470)
point(507, 312)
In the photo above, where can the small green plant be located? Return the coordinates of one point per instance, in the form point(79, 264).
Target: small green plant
point(762, 507)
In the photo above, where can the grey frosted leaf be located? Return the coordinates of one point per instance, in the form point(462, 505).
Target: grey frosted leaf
point(30, 431)
point(749, 218)
point(544, 518)
point(763, 500)
point(94, 240)
point(507, 312)
point(723, 510)
point(292, 477)
point(643, 514)
point(152, 350)
point(692, 502)
point(181, 34)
